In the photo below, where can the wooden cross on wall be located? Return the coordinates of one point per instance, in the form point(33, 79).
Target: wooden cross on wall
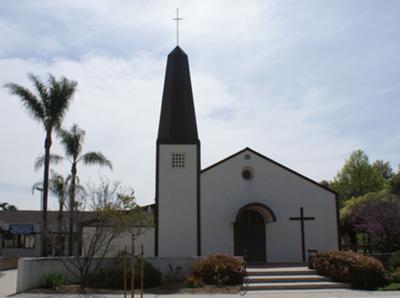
point(302, 218)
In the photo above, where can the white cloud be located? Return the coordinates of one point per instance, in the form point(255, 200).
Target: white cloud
point(300, 82)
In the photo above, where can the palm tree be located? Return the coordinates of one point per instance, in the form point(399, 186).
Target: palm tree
point(48, 106)
point(72, 140)
point(58, 185)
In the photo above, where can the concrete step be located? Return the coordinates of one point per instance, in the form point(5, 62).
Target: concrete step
point(251, 271)
point(285, 278)
point(295, 286)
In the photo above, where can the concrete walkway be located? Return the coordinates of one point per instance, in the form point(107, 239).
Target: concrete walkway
point(8, 282)
point(341, 293)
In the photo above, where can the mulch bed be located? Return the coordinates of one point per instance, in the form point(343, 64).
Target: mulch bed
point(164, 289)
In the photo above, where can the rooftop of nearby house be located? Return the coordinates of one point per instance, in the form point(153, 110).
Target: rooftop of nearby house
point(34, 217)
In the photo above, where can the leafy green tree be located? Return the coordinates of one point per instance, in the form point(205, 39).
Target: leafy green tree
point(357, 177)
point(48, 106)
point(394, 183)
point(72, 140)
point(7, 206)
point(325, 183)
point(114, 214)
point(376, 214)
point(384, 168)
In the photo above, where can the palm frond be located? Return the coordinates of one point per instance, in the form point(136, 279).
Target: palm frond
point(41, 89)
point(57, 181)
point(68, 179)
point(54, 159)
point(72, 140)
point(58, 186)
point(61, 93)
point(29, 101)
point(37, 186)
point(96, 158)
point(79, 188)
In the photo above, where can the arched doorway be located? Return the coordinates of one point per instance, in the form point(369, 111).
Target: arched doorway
point(249, 232)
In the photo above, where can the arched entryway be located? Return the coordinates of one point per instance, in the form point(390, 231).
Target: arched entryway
point(249, 232)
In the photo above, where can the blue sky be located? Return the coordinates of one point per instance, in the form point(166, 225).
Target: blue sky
point(303, 82)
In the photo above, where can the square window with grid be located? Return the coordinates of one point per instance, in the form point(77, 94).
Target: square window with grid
point(178, 160)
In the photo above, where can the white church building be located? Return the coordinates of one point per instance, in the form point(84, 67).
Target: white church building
point(246, 204)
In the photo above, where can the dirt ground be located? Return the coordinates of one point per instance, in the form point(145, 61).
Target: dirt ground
point(165, 289)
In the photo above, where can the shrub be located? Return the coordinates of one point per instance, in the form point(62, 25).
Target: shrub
point(173, 274)
point(336, 264)
point(112, 277)
point(346, 266)
point(384, 257)
point(395, 277)
point(219, 269)
point(368, 275)
point(193, 282)
point(391, 287)
point(54, 281)
point(394, 261)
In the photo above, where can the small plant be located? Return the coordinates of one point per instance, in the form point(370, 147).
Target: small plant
point(173, 275)
point(219, 269)
point(54, 281)
point(193, 282)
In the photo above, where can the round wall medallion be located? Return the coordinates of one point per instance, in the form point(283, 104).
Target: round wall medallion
point(247, 173)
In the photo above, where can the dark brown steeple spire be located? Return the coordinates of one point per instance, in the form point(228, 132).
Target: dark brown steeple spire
point(178, 119)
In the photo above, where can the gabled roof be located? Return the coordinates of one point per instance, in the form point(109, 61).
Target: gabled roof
point(177, 119)
point(272, 161)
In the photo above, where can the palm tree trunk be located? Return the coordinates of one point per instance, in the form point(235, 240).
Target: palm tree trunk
point(72, 210)
point(44, 234)
point(60, 216)
point(60, 219)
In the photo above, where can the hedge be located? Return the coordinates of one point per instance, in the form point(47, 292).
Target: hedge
point(219, 269)
point(363, 272)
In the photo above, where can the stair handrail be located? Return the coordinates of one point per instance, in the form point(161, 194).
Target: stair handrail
point(243, 290)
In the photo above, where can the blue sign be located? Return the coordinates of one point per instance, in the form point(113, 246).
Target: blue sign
point(21, 229)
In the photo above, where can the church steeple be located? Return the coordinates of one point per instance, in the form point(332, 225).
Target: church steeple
point(178, 119)
point(177, 166)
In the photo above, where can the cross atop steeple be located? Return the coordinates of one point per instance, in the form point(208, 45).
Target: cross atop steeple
point(177, 19)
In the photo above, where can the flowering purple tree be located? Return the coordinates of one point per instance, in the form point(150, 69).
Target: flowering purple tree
point(378, 214)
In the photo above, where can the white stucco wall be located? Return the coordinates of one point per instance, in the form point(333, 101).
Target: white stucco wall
point(177, 195)
point(31, 271)
point(144, 236)
point(224, 192)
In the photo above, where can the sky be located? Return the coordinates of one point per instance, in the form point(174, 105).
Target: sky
point(302, 82)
